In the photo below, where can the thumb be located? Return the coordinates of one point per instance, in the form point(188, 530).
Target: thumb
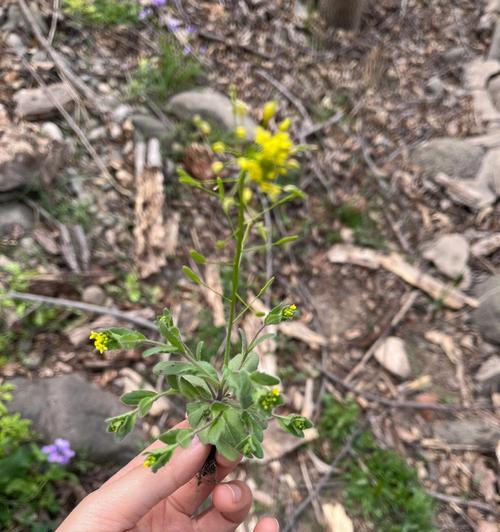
point(121, 504)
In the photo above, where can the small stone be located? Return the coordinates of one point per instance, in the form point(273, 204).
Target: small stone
point(97, 133)
point(427, 414)
point(121, 113)
point(14, 41)
point(456, 158)
point(488, 375)
point(33, 104)
point(435, 87)
point(487, 315)
point(391, 354)
point(33, 360)
point(15, 217)
point(52, 131)
point(211, 105)
point(455, 55)
point(471, 431)
point(149, 127)
point(70, 407)
point(449, 253)
point(94, 295)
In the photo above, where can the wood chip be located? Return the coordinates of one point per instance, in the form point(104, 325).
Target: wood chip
point(336, 518)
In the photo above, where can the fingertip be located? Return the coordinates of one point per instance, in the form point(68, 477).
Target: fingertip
point(267, 524)
point(231, 498)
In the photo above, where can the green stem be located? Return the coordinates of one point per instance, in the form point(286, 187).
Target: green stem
point(240, 237)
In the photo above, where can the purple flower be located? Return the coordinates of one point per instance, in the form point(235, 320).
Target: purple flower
point(187, 50)
point(144, 13)
point(59, 452)
point(173, 24)
point(190, 29)
point(159, 3)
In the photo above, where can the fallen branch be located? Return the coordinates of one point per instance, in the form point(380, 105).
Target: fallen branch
point(463, 502)
point(392, 403)
point(86, 307)
point(368, 258)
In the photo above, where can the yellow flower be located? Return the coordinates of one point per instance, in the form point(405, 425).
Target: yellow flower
point(101, 341)
point(240, 132)
point(275, 392)
point(217, 167)
point(240, 108)
point(285, 125)
point(289, 311)
point(268, 111)
point(247, 195)
point(218, 147)
point(202, 125)
point(150, 460)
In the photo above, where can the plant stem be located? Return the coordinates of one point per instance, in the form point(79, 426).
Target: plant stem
point(240, 236)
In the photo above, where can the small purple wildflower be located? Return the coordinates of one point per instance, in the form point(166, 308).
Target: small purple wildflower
point(144, 13)
point(59, 452)
point(187, 50)
point(190, 29)
point(173, 24)
point(159, 3)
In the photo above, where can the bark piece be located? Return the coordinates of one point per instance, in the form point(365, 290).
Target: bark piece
point(33, 104)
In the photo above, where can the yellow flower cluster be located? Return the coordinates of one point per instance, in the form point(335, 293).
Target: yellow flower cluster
point(273, 156)
point(269, 400)
point(150, 460)
point(101, 341)
point(289, 311)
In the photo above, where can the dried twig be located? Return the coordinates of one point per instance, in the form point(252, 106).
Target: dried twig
point(410, 405)
point(53, 22)
point(307, 481)
point(316, 128)
point(463, 502)
point(396, 320)
point(60, 63)
point(324, 480)
point(86, 307)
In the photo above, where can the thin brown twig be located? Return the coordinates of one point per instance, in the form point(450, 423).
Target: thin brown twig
point(463, 502)
point(323, 481)
point(53, 22)
point(396, 320)
point(79, 305)
point(60, 63)
point(415, 405)
point(316, 128)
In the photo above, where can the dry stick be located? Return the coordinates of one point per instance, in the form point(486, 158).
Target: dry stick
point(307, 481)
point(463, 502)
point(415, 405)
point(316, 128)
point(53, 23)
point(396, 320)
point(324, 480)
point(78, 131)
point(86, 307)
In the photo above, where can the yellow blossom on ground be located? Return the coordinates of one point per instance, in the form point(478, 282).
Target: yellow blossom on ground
point(284, 125)
point(101, 341)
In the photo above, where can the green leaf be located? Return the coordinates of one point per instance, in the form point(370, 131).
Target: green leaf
point(133, 398)
point(197, 257)
point(146, 404)
point(216, 430)
point(275, 315)
point(189, 273)
point(199, 383)
point(199, 350)
point(294, 424)
point(251, 363)
point(227, 450)
point(171, 367)
point(186, 179)
point(121, 425)
point(285, 240)
point(208, 370)
point(244, 341)
point(220, 189)
point(174, 436)
point(197, 412)
point(261, 339)
point(264, 379)
point(126, 338)
point(156, 350)
point(244, 389)
point(265, 288)
point(235, 428)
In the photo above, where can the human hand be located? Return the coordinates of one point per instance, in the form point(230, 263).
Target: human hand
point(135, 499)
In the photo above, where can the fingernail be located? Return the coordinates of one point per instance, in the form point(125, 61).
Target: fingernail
point(195, 442)
point(236, 491)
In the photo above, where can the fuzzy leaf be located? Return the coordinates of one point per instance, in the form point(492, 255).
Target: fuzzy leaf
point(189, 273)
point(264, 379)
point(133, 398)
point(196, 412)
point(156, 350)
point(171, 367)
point(197, 257)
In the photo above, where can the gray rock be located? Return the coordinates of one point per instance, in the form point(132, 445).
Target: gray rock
point(449, 253)
point(15, 216)
point(472, 431)
point(455, 55)
point(52, 131)
point(94, 295)
point(149, 127)
point(488, 375)
point(121, 113)
point(435, 87)
point(15, 19)
point(391, 354)
point(455, 157)
point(210, 105)
point(69, 407)
point(98, 133)
point(33, 104)
point(487, 316)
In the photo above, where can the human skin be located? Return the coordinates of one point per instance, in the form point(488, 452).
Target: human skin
point(136, 499)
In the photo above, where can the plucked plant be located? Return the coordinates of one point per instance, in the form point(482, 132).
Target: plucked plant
point(229, 401)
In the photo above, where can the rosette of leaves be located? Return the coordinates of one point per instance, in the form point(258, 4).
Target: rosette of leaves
point(229, 401)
